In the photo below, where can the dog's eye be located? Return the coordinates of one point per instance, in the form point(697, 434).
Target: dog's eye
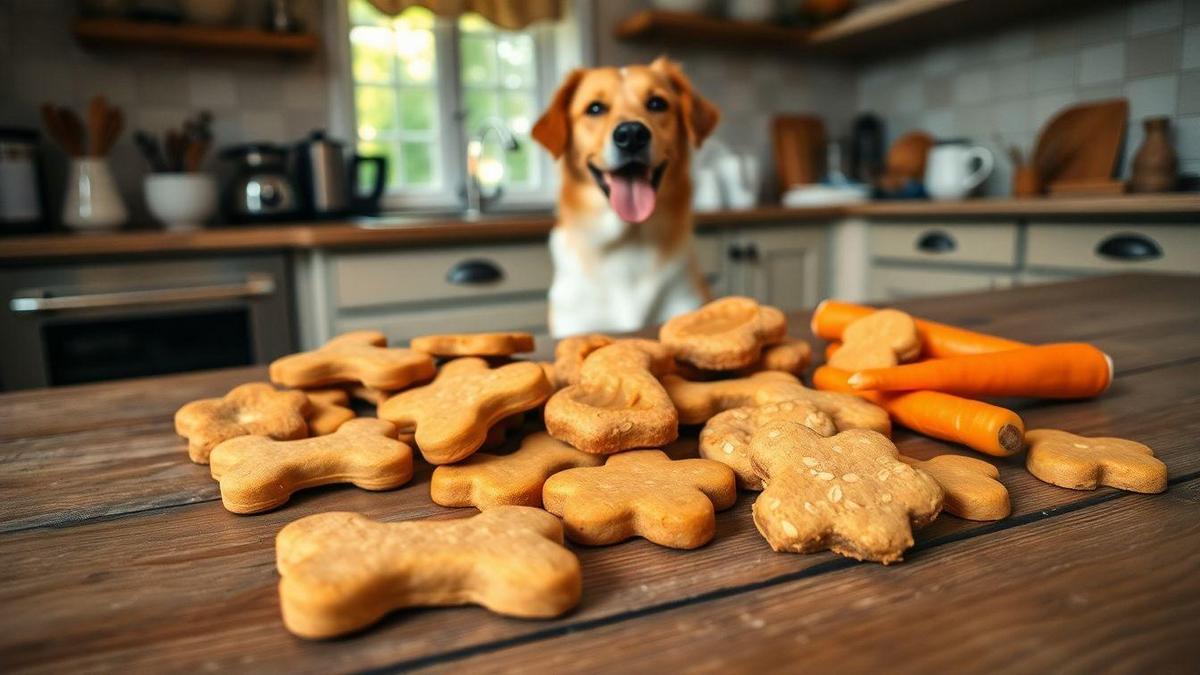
point(596, 108)
point(656, 104)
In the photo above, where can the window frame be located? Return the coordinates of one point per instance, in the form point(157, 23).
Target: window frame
point(558, 48)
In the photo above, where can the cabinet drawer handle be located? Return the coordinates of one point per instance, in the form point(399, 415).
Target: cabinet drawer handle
point(1129, 247)
point(936, 241)
point(475, 271)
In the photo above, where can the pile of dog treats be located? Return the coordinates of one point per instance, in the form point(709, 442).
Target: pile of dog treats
point(828, 476)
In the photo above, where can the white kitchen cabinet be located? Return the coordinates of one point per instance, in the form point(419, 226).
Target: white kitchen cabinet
point(950, 243)
point(1113, 247)
point(782, 266)
point(890, 283)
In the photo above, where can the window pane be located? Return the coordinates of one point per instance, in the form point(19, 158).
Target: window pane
point(390, 151)
point(517, 108)
point(515, 53)
point(362, 13)
point(376, 108)
point(520, 164)
point(417, 57)
point(478, 60)
point(417, 108)
point(417, 161)
point(414, 18)
point(372, 54)
point(474, 23)
point(480, 104)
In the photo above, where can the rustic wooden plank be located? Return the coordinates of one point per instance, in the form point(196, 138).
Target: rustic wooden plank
point(1082, 593)
point(180, 575)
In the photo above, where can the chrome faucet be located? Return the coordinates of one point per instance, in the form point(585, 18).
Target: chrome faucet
point(474, 192)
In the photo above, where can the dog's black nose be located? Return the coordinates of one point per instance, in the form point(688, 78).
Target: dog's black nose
point(631, 136)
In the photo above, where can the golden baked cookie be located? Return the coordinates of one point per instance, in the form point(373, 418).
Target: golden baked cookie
point(1084, 463)
point(699, 401)
point(255, 408)
point(725, 334)
point(881, 339)
point(726, 437)
point(972, 486)
point(642, 494)
point(356, 357)
point(486, 481)
point(848, 493)
point(474, 344)
point(341, 572)
point(451, 416)
point(257, 473)
point(328, 410)
point(618, 403)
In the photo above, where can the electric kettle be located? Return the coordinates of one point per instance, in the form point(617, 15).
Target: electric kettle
point(329, 186)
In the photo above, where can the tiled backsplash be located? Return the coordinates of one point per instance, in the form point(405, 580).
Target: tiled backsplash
point(999, 90)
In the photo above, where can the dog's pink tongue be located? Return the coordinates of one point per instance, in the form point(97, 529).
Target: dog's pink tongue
point(632, 198)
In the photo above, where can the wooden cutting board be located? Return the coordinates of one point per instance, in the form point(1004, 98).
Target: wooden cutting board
point(1081, 144)
point(799, 150)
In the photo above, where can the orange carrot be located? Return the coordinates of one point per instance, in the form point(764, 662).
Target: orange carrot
point(938, 340)
point(1063, 370)
point(980, 426)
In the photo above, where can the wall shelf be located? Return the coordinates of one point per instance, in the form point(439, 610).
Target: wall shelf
point(123, 33)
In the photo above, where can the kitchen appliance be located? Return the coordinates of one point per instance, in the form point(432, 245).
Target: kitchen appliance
point(261, 191)
point(866, 149)
point(949, 173)
point(70, 324)
point(22, 208)
point(329, 186)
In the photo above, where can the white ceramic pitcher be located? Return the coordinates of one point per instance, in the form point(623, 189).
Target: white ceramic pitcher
point(948, 169)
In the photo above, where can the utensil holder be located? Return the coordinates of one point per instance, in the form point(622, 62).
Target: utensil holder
point(92, 201)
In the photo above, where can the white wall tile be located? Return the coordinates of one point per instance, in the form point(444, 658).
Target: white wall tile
point(264, 125)
point(1187, 138)
point(1054, 72)
point(1152, 96)
point(941, 61)
point(1191, 47)
point(1045, 106)
point(1151, 16)
point(1011, 119)
point(212, 88)
point(940, 122)
point(1012, 80)
point(909, 96)
point(1102, 25)
point(1102, 63)
point(1015, 44)
point(972, 86)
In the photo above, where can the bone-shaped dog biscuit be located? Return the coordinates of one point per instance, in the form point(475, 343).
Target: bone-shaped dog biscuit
point(726, 437)
point(570, 354)
point(356, 357)
point(487, 481)
point(328, 410)
point(725, 334)
point(642, 493)
point(790, 356)
point(1083, 463)
point(972, 488)
point(340, 572)
point(255, 408)
point(848, 493)
point(257, 473)
point(618, 403)
point(451, 416)
point(473, 344)
point(881, 339)
point(699, 401)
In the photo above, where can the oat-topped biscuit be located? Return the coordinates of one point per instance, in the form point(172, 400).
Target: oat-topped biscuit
point(255, 408)
point(1083, 463)
point(848, 493)
point(359, 357)
point(341, 572)
point(726, 437)
point(725, 334)
point(450, 416)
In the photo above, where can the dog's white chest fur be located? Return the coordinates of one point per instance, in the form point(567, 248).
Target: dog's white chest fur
point(604, 286)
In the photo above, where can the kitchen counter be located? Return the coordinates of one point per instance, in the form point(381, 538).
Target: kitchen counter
point(118, 554)
point(368, 233)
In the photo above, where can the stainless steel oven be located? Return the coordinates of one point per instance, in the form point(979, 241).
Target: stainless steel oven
point(70, 324)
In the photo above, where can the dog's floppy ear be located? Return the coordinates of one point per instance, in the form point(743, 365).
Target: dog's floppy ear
point(553, 129)
point(699, 115)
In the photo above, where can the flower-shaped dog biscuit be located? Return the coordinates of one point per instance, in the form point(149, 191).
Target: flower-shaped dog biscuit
point(257, 473)
point(848, 493)
point(1082, 463)
point(341, 572)
point(971, 486)
point(726, 437)
point(328, 410)
point(880, 339)
point(699, 401)
point(618, 403)
point(255, 408)
point(642, 494)
point(451, 416)
point(725, 334)
point(486, 481)
point(357, 357)
point(474, 344)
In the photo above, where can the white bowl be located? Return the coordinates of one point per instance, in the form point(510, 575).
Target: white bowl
point(181, 201)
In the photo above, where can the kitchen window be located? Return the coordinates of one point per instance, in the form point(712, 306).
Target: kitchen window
point(423, 85)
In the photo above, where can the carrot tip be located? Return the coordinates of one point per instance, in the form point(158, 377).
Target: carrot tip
point(1111, 370)
point(1011, 439)
point(812, 323)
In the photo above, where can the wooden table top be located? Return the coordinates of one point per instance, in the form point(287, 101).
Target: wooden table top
point(117, 553)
